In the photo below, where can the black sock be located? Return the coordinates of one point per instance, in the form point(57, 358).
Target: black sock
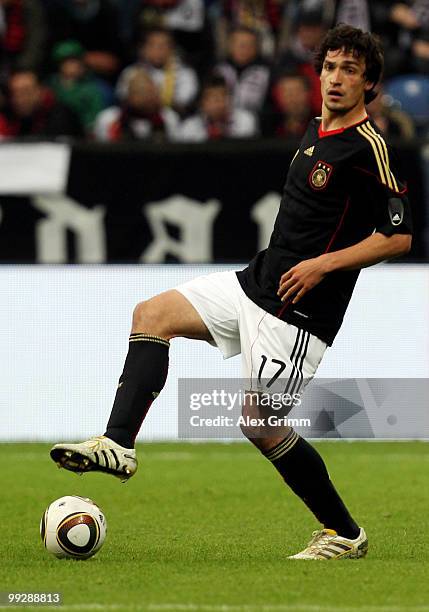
point(144, 375)
point(303, 469)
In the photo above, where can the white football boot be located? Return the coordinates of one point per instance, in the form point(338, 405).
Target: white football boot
point(327, 544)
point(99, 454)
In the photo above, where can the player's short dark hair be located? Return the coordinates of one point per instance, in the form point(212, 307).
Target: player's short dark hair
point(361, 44)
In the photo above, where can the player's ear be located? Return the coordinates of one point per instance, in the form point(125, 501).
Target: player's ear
point(369, 85)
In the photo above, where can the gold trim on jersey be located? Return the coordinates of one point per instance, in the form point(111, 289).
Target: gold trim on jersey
point(381, 155)
point(293, 158)
point(386, 154)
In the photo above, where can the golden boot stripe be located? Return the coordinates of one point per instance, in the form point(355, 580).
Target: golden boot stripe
point(285, 447)
point(386, 156)
point(339, 551)
point(376, 147)
point(343, 546)
point(324, 555)
point(332, 551)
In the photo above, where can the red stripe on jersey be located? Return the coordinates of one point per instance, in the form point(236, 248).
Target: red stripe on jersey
point(331, 242)
point(377, 177)
point(322, 133)
point(340, 223)
point(283, 308)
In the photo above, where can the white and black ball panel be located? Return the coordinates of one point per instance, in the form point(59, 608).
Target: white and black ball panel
point(78, 534)
point(85, 499)
point(73, 526)
point(43, 521)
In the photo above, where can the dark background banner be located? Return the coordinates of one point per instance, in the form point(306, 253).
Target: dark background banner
point(200, 203)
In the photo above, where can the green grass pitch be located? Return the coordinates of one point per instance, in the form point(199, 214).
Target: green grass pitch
point(209, 527)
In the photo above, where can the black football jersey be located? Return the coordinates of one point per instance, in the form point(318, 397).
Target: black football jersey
point(342, 185)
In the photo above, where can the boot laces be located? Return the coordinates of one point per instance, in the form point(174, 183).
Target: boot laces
point(319, 540)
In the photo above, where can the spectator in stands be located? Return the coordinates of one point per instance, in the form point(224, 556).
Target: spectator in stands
point(245, 72)
point(294, 11)
point(185, 19)
point(404, 30)
point(262, 16)
point(291, 107)
point(73, 85)
point(392, 121)
point(32, 111)
point(217, 118)
point(354, 12)
point(420, 45)
point(403, 27)
point(141, 115)
point(22, 35)
point(178, 83)
point(309, 27)
point(94, 23)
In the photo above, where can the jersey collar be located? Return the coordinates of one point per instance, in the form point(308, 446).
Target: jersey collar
point(322, 133)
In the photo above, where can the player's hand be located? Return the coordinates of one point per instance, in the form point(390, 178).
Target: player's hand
point(295, 283)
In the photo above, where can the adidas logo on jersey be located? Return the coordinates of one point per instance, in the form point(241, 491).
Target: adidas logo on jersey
point(309, 151)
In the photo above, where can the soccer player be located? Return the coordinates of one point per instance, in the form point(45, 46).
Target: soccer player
point(344, 207)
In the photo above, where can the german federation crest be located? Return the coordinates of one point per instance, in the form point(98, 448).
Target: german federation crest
point(320, 174)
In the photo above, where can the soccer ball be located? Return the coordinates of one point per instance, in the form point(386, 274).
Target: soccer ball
point(73, 526)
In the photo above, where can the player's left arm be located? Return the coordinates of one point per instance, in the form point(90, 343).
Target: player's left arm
point(372, 250)
point(391, 238)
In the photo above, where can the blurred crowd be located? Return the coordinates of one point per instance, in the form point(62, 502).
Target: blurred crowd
point(195, 70)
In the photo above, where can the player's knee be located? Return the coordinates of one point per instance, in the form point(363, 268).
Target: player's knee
point(249, 423)
point(149, 317)
point(258, 430)
point(141, 313)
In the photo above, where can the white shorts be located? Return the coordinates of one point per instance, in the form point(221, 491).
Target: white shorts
point(271, 349)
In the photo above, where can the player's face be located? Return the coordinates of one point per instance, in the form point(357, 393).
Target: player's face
point(343, 81)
